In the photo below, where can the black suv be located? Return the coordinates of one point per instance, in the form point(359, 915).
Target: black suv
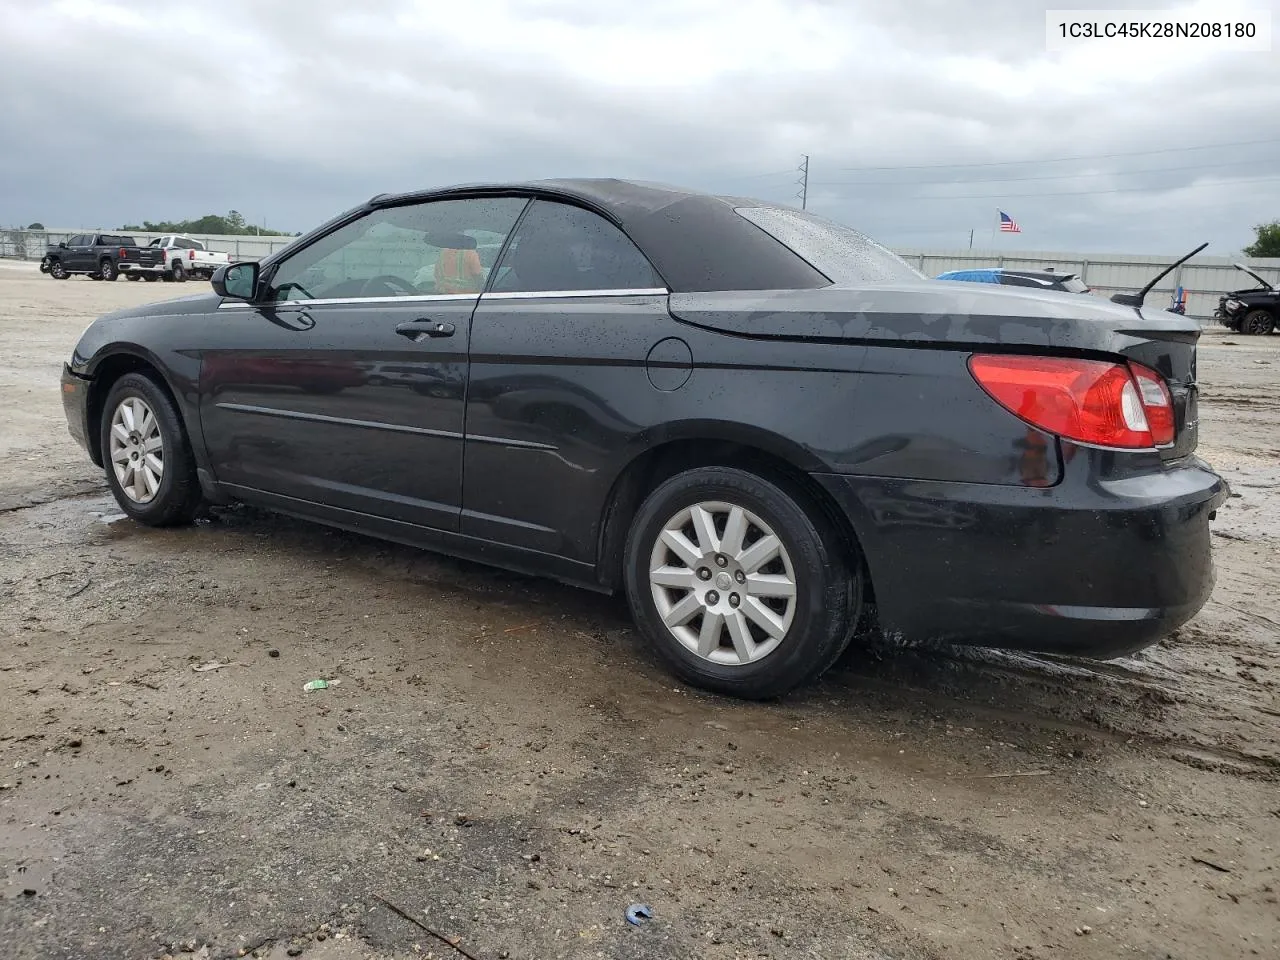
point(95, 254)
point(1252, 311)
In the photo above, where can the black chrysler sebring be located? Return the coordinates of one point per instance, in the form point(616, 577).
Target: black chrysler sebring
point(763, 427)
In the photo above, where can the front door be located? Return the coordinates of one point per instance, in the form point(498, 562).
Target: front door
point(346, 388)
point(79, 253)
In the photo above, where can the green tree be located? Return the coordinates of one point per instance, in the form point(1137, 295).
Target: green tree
point(1267, 243)
point(35, 226)
point(232, 224)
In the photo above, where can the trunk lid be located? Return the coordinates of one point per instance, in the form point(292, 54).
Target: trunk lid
point(954, 315)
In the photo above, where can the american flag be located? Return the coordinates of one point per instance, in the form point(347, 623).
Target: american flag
point(1008, 224)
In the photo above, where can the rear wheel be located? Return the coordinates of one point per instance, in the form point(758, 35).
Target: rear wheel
point(1258, 322)
point(739, 583)
point(107, 270)
point(148, 458)
point(179, 272)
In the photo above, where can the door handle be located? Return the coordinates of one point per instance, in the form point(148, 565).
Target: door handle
point(425, 327)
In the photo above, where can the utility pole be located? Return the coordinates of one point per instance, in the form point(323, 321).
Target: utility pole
point(970, 239)
point(803, 183)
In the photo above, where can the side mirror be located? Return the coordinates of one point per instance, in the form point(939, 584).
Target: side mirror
point(238, 281)
point(62, 244)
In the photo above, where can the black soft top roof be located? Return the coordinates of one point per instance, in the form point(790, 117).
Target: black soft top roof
point(695, 240)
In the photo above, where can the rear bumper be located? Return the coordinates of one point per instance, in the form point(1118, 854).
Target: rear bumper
point(75, 404)
point(1091, 567)
point(126, 267)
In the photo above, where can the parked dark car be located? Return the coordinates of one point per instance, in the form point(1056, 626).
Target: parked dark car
point(760, 425)
point(1040, 279)
point(1254, 310)
point(97, 255)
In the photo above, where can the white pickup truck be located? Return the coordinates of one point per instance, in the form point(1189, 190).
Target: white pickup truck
point(172, 257)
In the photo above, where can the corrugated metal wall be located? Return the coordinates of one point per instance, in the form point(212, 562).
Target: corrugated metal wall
point(1204, 278)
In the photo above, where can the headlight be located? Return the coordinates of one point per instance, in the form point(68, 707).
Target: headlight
point(1233, 304)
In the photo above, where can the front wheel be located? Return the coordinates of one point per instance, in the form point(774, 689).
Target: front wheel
point(131, 276)
point(57, 270)
point(740, 583)
point(1257, 323)
point(148, 458)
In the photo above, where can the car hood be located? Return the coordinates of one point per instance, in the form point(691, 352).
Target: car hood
point(200, 303)
point(1243, 269)
point(939, 311)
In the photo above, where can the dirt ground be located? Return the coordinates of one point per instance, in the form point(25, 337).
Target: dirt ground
point(505, 764)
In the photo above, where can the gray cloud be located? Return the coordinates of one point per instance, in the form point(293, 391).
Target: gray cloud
point(289, 111)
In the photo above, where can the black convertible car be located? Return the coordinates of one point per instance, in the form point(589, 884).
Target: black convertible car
point(762, 426)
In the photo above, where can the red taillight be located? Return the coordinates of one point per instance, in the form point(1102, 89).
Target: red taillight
point(123, 254)
point(1091, 401)
point(191, 254)
point(1157, 402)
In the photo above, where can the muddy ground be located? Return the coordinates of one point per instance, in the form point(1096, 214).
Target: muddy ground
point(507, 765)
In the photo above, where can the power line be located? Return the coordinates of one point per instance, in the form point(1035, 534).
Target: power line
point(760, 176)
point(1056, 176)
point(1083, 193)
point(1094, 156)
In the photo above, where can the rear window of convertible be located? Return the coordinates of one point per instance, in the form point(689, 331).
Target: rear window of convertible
point(844, 255)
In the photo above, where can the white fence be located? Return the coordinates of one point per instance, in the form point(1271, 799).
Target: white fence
point(1204, 279)
point(31, 244)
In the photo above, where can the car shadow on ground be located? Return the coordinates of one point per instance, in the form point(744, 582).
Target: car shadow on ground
point(1120, 697)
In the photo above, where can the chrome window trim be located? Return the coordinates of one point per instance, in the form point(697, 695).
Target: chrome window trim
point(558, 294)
point(443, 297)
point(418, 298)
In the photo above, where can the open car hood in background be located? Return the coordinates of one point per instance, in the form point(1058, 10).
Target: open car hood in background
point(1243, 269)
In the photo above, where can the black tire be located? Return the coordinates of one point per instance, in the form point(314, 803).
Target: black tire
point(828, 595)
point(131, 275)
point(149, 277)
point(178, 497)
point(1258, 322)
point(57, 270)
point(107, 270)
point(179, 272)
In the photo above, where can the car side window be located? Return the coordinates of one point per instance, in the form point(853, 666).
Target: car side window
point(436, 247)
point(560, 247)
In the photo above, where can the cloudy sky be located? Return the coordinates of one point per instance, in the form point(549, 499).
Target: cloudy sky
point(921, 117)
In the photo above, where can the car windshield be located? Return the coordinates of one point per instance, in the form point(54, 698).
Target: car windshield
point(844, 255)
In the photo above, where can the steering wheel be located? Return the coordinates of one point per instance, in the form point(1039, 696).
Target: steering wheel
point(395, 285)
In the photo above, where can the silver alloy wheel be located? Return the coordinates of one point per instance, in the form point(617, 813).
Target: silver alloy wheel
point(723, 583)
point(137, 449)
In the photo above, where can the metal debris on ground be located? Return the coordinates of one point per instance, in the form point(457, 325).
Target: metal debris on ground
point(638, 913)
point(206, 667)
